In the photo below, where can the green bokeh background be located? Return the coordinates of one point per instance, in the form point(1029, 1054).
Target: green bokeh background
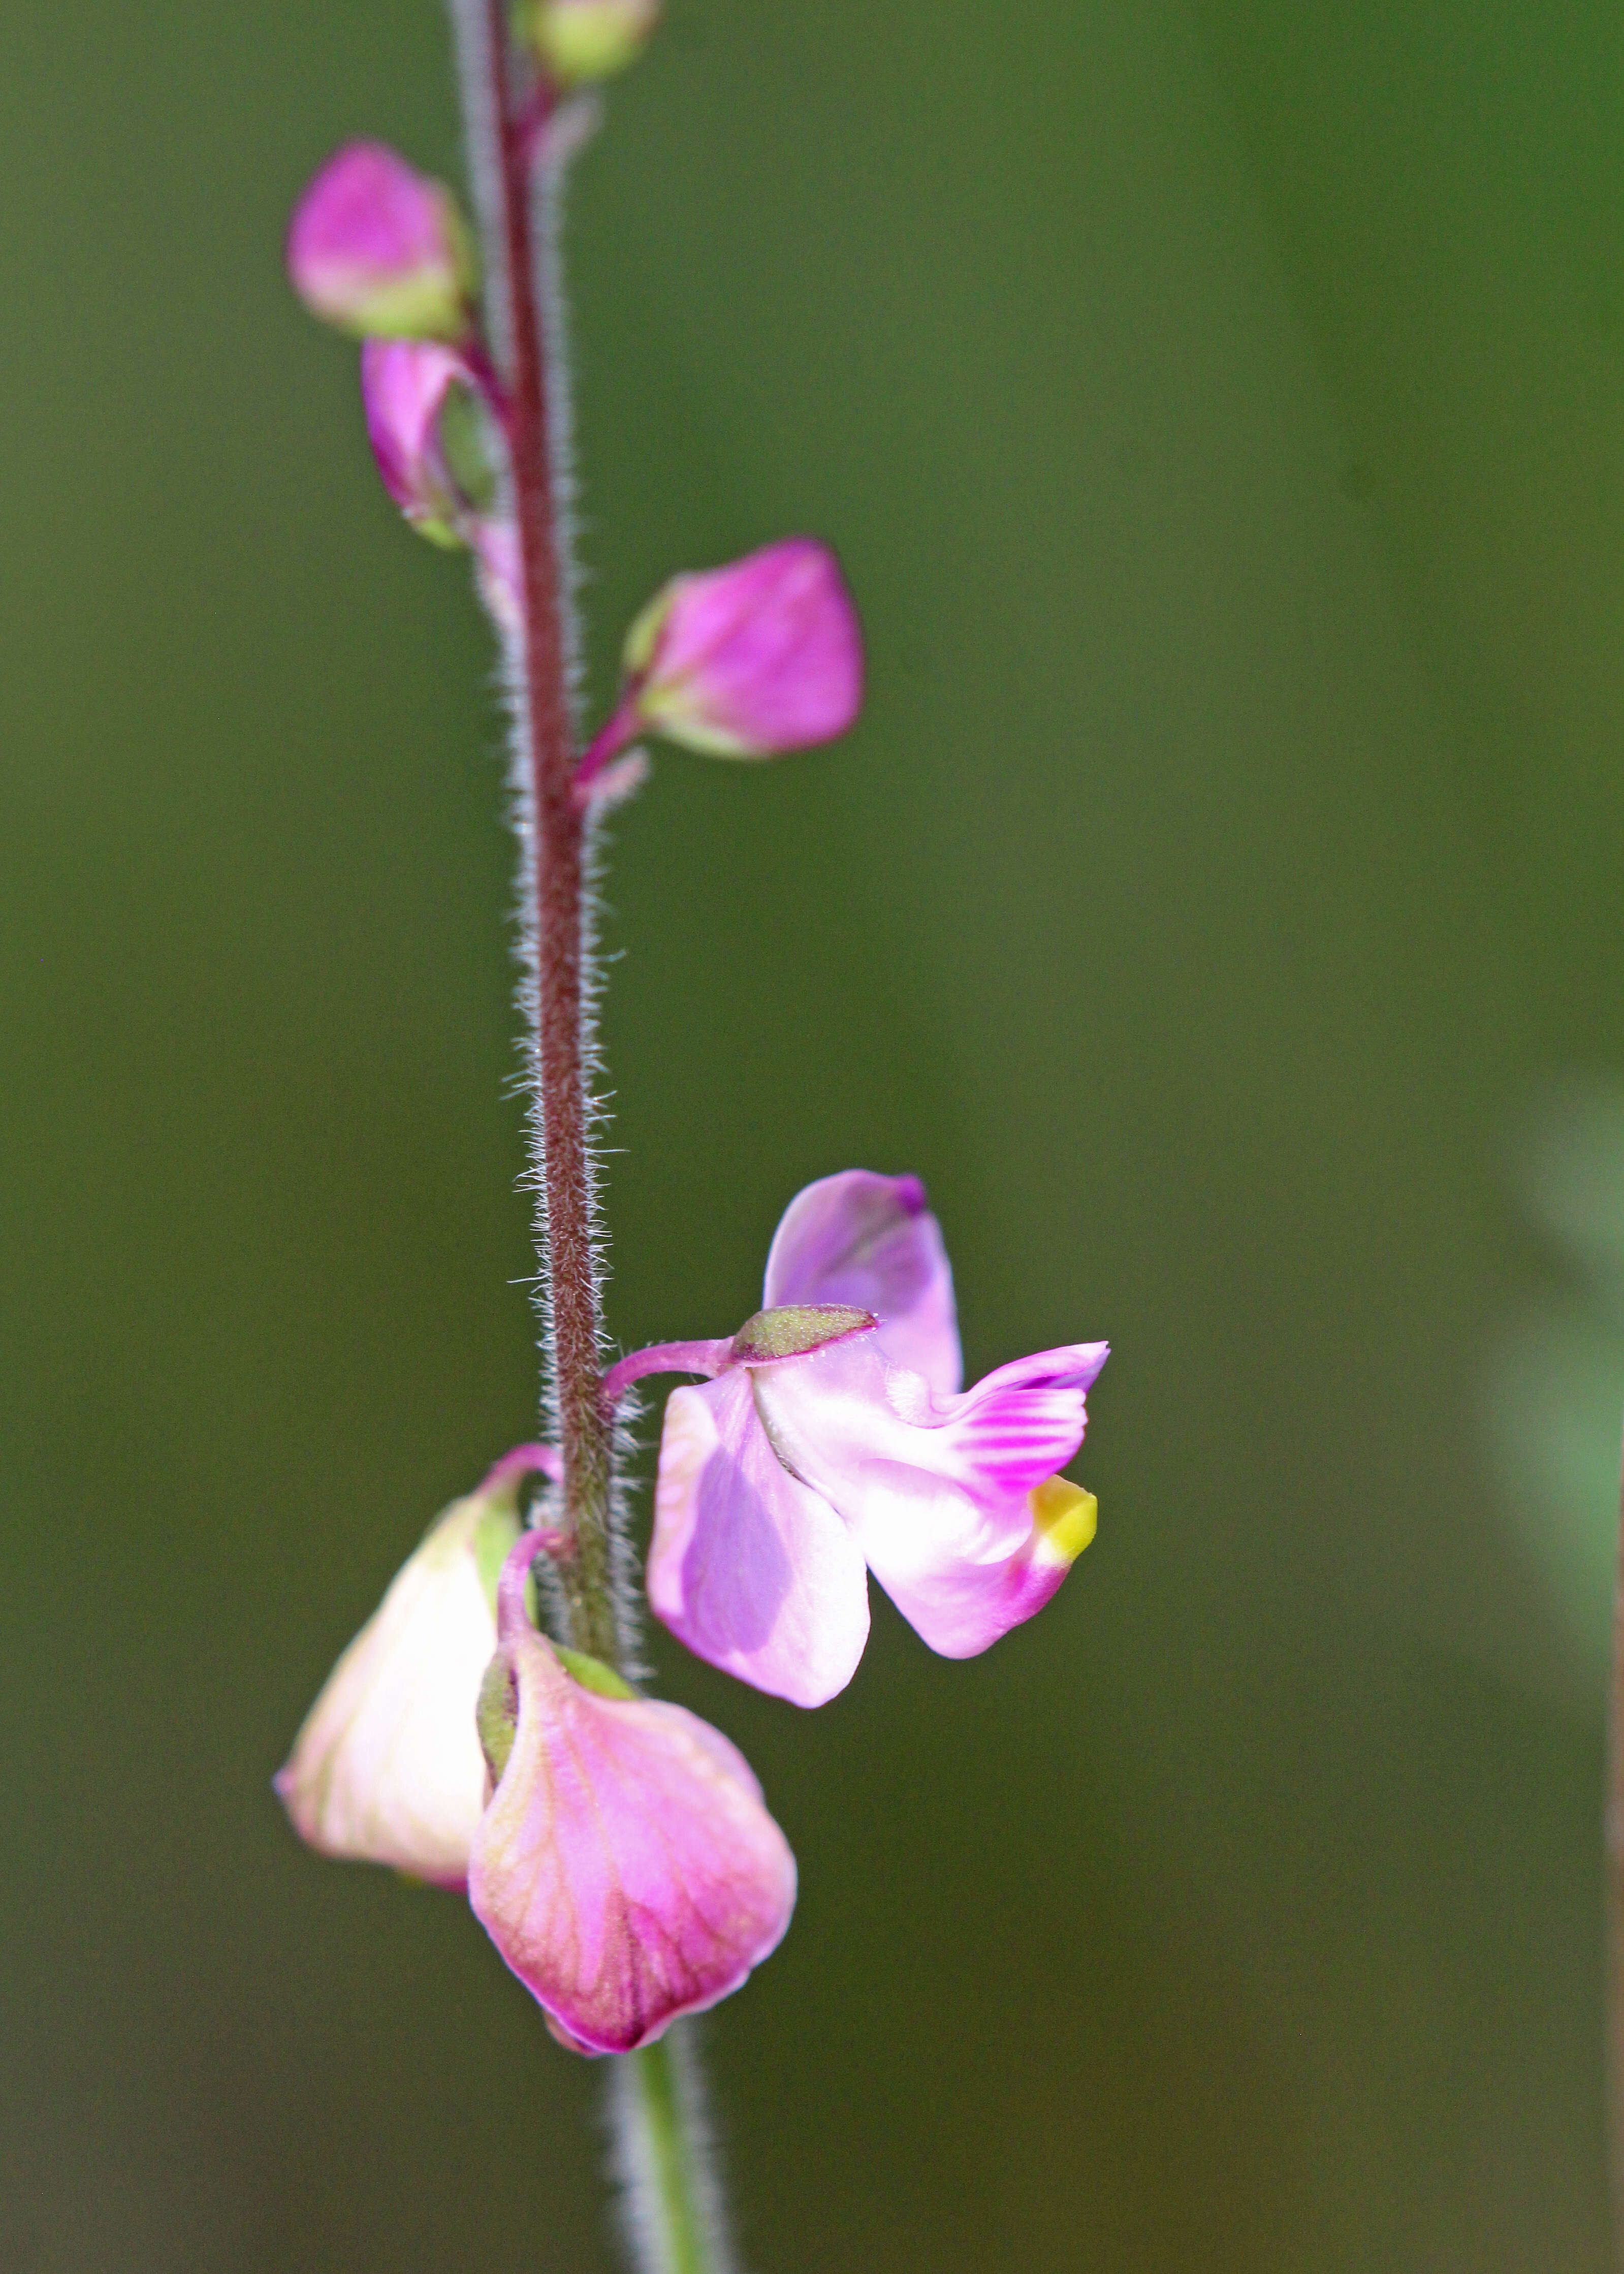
point(1219, 409)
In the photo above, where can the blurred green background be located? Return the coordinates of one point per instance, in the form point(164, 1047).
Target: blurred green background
point(1219, 409)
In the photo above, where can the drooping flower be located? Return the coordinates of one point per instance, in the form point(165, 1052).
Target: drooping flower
point(580, 40)
point(834, 1441)
point(379, 249)
point(745, 662)
point(388, 1768)
point(626, 1867)
point(405, 387)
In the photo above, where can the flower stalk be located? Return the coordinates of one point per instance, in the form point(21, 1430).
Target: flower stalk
point(552, 827)
point(1614, 1862)
point(672, 2208)
point(674, 2223)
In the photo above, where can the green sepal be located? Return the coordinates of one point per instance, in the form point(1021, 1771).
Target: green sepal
point(592, 1674)
point(793, 1328)
point(494, 1534)
point(496, 1716)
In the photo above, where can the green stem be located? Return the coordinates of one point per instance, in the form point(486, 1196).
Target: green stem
point(672, 2204)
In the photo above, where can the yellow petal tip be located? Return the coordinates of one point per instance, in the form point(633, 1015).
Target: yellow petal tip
point(1065, 1517)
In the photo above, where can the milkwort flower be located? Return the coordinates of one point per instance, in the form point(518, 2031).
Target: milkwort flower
point(834, 1437)
point(379, 249)
point(626, 1868)
point(407, 386)
point(387, 1768)
point(746, 661)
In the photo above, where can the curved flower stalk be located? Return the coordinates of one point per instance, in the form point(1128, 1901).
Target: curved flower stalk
point(387, 1768)
point(832, 1441)
point(626, 1867)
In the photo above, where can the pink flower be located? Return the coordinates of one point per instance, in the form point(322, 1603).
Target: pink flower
point(405, 386)
point(379, 249)
point(746, 661)
point(387, 1768)
point(626, 1867)
point(834, 1438)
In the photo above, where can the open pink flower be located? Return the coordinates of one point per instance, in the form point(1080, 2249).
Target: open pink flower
point(746, 661)
point(626, 1867)
point(379, 249)
point(834, 1441)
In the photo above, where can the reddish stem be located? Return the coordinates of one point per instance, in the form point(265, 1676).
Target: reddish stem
point(610, 740)
point(512, 1618)
point(524, 1461)
point(554, 842)
point(663, 1357)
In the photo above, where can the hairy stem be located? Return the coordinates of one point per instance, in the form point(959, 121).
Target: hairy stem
point(552, 828)
point(674, 2214)
point(671, 2207)
point(1614, 1866)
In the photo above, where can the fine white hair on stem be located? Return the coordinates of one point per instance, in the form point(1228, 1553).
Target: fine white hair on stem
point(672, 2206)
point(470, 37)
point(638, 2161)
point(569, 132)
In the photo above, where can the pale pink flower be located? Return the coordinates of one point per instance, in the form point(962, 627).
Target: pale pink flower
point(380, 250)
point(387, 1768)
point(746, 661)
point(834, 1441)
point(626, 1867)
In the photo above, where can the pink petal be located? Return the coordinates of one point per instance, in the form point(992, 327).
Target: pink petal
point(935, 1489)
point(377, 248)
point(749, 1568)
point(961, 1604)
point(626, 1868)
point(388, 1768)
point(405, 384)
point(871, 1241)
point(761, 657)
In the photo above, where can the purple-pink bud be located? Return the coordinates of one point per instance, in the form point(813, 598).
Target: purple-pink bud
point(380, 250)
point(626, 1867)
point(404, 387)
point(746, 661)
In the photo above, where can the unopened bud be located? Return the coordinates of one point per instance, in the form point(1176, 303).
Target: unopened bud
point(626, 1868)
point(417, 394)
point(580, 40)
point(380, 250)
point(746, 661)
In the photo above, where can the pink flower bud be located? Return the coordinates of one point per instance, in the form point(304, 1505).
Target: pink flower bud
point(405, 385)
point(626, 1868)
point(580, 40)
point(379, 249)
point(748, 661)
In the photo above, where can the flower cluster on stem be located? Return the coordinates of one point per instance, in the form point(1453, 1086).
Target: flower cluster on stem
point(617, 1850)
